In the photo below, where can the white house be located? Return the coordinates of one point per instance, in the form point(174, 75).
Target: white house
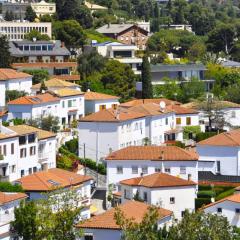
point(95, 101)
point(123, 53)
point(220, 154)
point(161, 189)
point(104, 226)
point(38, 184)
point(228, 207)
point(135, 161)
point(13, 80)
point(8, 202)
point(24, 150)
point(54, 84)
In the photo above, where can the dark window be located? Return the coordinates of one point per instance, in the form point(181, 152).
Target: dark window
point(122, 54)
point(12, 148)
point(38, 48)
point(22, 140)
point(26, 48)
point(172, 200)
point(31, 138)
point(35, 169)
point(88, 237)
point(33, 48)
point(5, 150)
point(145, 197)
point(44, 47)
point(219, 210)
point(22, 173)
point(30, 170)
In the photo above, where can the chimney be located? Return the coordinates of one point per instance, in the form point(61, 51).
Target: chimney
point(62, 44)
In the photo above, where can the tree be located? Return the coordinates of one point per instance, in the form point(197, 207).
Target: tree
point(147, 91)
point(43, 87)
point(9, 16)
point(34, 34)
point(39, 75)
point(30, 15)
point(70, 32)
point(14, 94)
point(156, 20)
point(5, 57)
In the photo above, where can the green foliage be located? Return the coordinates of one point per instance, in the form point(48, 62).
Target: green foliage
point(8, 187)
point(177, 144)
point(147, 91)
point(30, 15)
point(94, 35)
point(204, 135)
point(14, 94)
point(39, 75)
point(34, 34)
point(5, 57)
point(206, 194)
point(225, 194)
point(200, 202)
point(64, 162)
point(9, 16)
point(190, 129)
point(204, 187)
point(72, 145)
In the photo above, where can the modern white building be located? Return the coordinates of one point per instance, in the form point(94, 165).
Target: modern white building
point(8, 202)
point(12, 80)
point(43, 8)
point(163, 190)
point(228, 207)
point(122, 52)
point(104, 226)
point(135, 161)
point(38, 184)
point(95, 102)
point(24, 150)
point(220, 154)
point(15, 31)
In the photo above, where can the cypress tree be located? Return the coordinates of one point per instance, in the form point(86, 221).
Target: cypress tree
point(147, 91)
point(5, 57)
point(30, 15)
point(43, 87)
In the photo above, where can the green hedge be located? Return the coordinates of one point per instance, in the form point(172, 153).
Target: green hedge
point(204, 135)
point(204, 187)
point(206, 194)
point(225, 194)
point(8, 187)
point(199, 202)
point(72, 145)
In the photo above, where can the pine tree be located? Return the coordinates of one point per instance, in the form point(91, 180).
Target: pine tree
point(5, 57)
point(30, 15)
point(147, 91)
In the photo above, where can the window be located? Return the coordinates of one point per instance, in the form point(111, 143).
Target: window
point(74, 103)
point(22, 140)
point(189, 177)
point(22, 173)
point(31, 138)
point(30, 170)
point(13, 168)
point(88, 237)
point(145, 197)
point(219, 210)
point(233, 114)
point(183, 170)
point(158, 169)
point(167, 170)
point(172, 200)
point(134, 169)
point(4, 149)
point(178, 121)
point(188, 120)
point(63, 104)
point(102, 107)
point(114, 106)
point(12, 148)
point(119, 170)
point(237, 210)
point(166, 121)
point(23, 152)
point(69, 103)
point(32, 150)
point(127, 194)
point(35, 169)
point(144, 169)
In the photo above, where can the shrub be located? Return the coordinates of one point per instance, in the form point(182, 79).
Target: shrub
point(190, 129)
point(225, 194)
point(8, 187)
point(200, 202)
point(204, 187)
point(72, 145)
point(206, 194)
point(204, 135)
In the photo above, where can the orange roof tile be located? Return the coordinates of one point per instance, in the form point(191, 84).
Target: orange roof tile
point(233, 198)
point(53, 178)
point(158, 180)
point(34, 100)
point(8, 73)
point(111, 115)
point(178, 109)
point(231, 138)
point(44, 65)
point(98, 96)
point(6, 197)
point(153, 153)
point(131, 209)
point(67, 77)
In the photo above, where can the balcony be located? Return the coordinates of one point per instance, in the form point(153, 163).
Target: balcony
point(43, 156)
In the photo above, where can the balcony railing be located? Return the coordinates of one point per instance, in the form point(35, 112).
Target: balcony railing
point(43, 156)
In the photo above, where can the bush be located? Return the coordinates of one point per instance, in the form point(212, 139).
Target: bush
point(206, 194)
point(204, 135)
point(72, 145)
point(191, 129)
point(225, 194)
point(8, 187)
point(204, 187)
point(200, 202)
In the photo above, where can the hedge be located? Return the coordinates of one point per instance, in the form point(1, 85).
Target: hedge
point(225, 194)
point(8, 187)
point(204, 187)
point(199, 202)
point(204, 135)
point(206, 194)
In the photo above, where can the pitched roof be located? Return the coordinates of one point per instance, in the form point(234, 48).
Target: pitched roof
point(215, 104)
point(231, 138)
point(8, 73)
point(55, 82)
point(111, 115)
point(35, 100)
point(131, 209)
point(6, 197)
point(51, 179)
point(72, 77)
point(179, 110)
point(157, 180)
point(44, 65)
point(233, 198)
point(114, 28)
point(153, 153)
point(98, 96)
point(25, 129)
point(66, 92)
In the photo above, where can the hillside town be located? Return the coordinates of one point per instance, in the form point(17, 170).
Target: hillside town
point(119, 120)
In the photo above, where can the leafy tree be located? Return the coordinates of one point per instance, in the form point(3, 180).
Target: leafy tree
point(197, 52)
point(30, 14)
point(14, 94)
point(9, 16)
point(34, 34)
point(39, 75)
point(8, 187)
point(147, 91)
point(5, 57)
point(69, 32)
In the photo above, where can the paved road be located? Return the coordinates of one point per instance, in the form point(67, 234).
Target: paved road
point(100, 179)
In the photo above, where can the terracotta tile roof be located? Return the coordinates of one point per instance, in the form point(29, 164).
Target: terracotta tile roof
point(98, 96)
point(215, 104)
point(111, 115)
point(6, 197)
point(67, 77)
point(231, 138)
point(157, 180)
point(44, 65)
point(117, 194)
point(65, 92)
point(233, 198)
point(25, 129)
point(153, 153)
point(179, 110)
point(3, 113)
point(35, 100)
point(8, 73)
point(55, 82)
point(131, 209)
point(51, 179)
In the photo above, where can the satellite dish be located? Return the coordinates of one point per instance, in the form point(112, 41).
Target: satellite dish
point(162, 105)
